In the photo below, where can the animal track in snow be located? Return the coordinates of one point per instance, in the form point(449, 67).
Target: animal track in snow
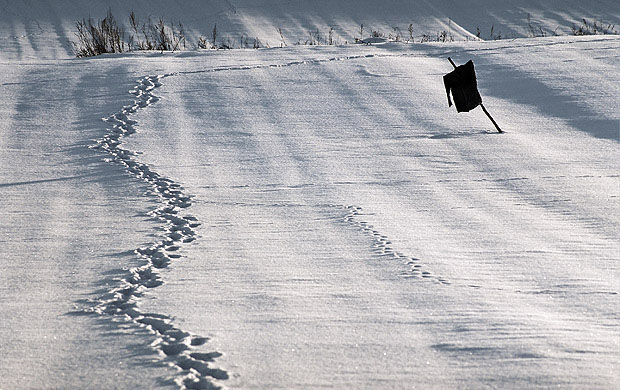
point(175, 346)
point(382, 246)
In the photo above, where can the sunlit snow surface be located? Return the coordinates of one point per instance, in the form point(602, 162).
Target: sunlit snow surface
point(355, 232)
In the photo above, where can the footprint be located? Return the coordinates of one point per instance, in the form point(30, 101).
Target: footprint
point(172, 349)
point(199, 341)
point(205, 357)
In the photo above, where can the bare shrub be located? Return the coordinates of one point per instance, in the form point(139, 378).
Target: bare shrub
point(282, 40)
point(227, 43)
point(203, 43)
point(243, 41)
point(494, 36)
point(600, 28)
point(95, 38)
point(214, 35)
point(106, 36)
point(396, 35)
point(444, 36)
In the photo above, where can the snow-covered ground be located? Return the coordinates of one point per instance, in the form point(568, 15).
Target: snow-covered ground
point(308, 217)
point(362, 235)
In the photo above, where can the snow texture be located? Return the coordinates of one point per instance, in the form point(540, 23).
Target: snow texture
point(362, 235)
point(307, 217)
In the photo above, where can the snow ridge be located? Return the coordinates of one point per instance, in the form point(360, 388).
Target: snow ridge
point(382, 246)
point(176, 346)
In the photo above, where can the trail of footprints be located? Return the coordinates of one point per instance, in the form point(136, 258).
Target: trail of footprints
point(382, 246)
point(177, 347)
point(180, 348)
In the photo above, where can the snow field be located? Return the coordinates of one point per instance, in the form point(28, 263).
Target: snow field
point(68, 220)
point(315, 179)
point(304, 217)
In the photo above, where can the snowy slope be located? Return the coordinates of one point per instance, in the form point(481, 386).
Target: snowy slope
point(318, 214)
point(43, 28)
point(309, 216)
point(362, 235)
point(68, 220)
